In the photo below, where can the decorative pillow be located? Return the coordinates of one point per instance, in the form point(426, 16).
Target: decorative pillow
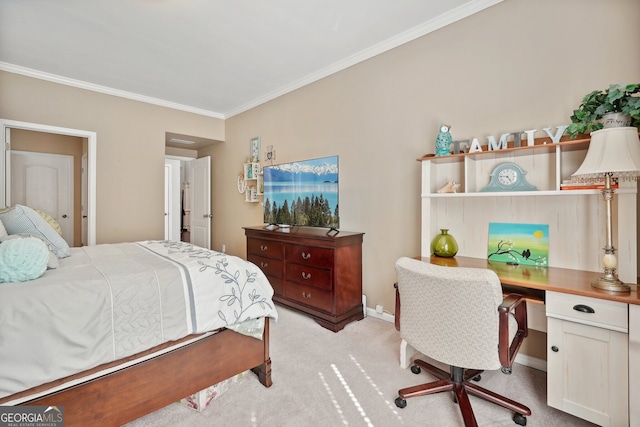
point(22, 219)
point(52, 262)
point(3, 232)
point(22, 259)
point(52, 222)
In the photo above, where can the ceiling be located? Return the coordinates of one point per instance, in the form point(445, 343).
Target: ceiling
point(212, 57)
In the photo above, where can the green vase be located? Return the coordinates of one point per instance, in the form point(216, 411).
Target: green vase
point(444, 245)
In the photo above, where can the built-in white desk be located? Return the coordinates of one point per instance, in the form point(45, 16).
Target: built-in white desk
point(593, 358)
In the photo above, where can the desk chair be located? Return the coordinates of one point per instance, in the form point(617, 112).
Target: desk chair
point(457, 316)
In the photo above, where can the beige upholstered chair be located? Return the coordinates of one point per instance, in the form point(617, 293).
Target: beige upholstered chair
point(457, 316)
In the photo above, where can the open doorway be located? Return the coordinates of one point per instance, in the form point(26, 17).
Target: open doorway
point(187, 200)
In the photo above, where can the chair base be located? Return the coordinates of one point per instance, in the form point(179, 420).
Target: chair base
point(459, 381)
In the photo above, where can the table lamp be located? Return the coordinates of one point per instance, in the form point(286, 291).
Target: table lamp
point(612, 153)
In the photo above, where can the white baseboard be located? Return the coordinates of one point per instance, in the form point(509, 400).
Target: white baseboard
point(387, 317)
point(532, 362)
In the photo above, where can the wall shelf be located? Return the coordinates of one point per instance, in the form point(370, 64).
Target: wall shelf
point(253, 181)
point(546, 165)
point(567, 193)
point(538, 144)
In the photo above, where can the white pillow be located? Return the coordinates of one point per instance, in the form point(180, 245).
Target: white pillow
point(22, 219)
point(3, 232)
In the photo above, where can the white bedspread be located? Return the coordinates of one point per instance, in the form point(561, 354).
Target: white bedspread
point(107, 302)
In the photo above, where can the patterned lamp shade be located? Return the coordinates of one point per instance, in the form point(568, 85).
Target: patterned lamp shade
point(614, 151)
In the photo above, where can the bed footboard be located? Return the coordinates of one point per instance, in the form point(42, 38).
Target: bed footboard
point(127, 394)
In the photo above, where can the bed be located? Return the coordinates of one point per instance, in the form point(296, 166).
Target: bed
point(117, 331)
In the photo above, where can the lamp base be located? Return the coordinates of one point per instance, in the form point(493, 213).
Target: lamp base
point(610, 284)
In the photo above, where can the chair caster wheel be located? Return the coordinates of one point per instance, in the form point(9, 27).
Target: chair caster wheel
point(401, 403)
point(519, 419)
point(416, 369)
point(506, 370)
point(477, 378)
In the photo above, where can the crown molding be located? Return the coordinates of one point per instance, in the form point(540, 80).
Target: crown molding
point(418, 31)
point(16, 69)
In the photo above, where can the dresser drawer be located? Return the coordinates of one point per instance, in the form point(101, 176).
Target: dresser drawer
point(591, 311)
point(309, 276)
point(309, 255)
point(265, 248)
point(314, 297)
point(272, 268)
point(277, 285)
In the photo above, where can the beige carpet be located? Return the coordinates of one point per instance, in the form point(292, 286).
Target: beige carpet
point(351, 378)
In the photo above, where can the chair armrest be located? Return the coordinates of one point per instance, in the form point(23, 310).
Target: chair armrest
point(397, 315)
point(512, 304)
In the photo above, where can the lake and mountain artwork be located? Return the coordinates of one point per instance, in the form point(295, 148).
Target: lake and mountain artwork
point(303, 193)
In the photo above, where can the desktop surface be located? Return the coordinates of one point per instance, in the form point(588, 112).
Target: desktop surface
point(532, 278)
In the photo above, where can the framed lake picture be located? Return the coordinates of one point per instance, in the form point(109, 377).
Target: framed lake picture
point(515, 244)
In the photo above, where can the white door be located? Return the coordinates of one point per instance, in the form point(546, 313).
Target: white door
point(200, 178)
point(172, 199)
point(45, 181)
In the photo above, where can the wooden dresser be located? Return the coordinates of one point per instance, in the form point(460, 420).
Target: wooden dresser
point(312, 272)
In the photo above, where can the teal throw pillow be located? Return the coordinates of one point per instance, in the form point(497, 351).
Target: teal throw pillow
point(22, 259)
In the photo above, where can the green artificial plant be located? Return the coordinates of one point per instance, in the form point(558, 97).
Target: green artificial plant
point(618, 98)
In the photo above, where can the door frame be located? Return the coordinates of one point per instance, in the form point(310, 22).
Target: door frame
point(172, 199)
point(92, 137)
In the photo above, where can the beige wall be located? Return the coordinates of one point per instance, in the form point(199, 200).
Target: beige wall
point(130, 147)
point(517, 65)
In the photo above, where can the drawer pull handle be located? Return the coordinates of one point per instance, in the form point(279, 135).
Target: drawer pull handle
point(263, 248)
point(583, 308)
point(306, 295)
point(306, 255)
point(264, 265)
point(306, 276)
point(554, 349)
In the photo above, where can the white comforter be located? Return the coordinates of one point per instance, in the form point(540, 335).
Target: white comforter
point(111, 301)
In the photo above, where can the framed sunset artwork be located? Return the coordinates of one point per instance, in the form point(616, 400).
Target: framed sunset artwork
point(519, 244)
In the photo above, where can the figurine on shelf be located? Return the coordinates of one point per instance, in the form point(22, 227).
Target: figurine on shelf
point(443, 141)
point(449, 187)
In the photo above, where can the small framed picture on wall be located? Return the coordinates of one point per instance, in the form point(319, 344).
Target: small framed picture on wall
point(254, 149)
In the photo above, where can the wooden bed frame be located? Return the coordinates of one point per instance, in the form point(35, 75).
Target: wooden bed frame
point(127, 394)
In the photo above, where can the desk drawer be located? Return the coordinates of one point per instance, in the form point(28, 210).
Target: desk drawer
point(597, 312)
